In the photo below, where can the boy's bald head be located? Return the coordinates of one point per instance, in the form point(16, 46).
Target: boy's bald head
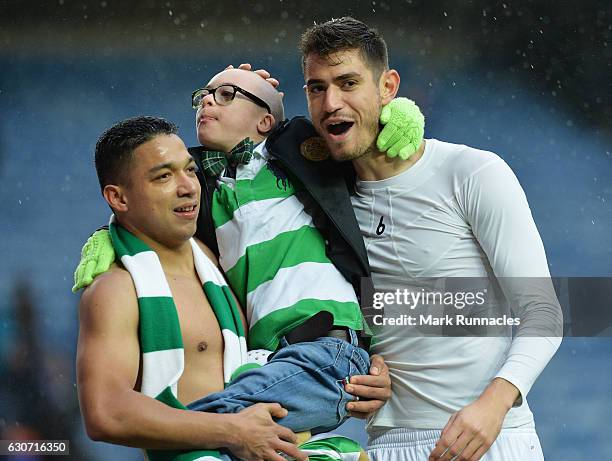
point(223, 126)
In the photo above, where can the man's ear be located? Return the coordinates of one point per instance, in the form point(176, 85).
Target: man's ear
point(264, 126)
point(115, 197)
point(389, 85)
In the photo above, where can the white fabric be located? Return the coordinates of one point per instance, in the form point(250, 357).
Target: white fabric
point(168, 365)
point(317, 281)
point(149, 281)
point(274, 216)
point(458, 212)
point(512, 444)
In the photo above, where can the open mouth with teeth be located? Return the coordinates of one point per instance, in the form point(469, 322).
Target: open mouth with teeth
point(186, 210)
point(338, 129)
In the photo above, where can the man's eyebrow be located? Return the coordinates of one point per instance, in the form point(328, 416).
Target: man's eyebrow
point(161, 166)
point(313, 81)
point(169, 165)
point(348, 75)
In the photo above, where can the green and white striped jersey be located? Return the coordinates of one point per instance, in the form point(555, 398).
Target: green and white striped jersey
point(274, 257)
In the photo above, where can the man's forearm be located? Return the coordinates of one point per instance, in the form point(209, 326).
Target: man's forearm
point(138, 421)
point(501, 391)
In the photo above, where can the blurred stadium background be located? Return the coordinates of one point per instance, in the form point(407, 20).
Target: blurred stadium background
point(529, 80)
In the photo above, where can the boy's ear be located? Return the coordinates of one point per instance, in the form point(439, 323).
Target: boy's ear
point(265, 125)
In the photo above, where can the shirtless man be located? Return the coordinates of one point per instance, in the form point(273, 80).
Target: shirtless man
point(147, 177)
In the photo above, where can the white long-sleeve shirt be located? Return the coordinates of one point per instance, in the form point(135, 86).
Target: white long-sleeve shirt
point(457, 212)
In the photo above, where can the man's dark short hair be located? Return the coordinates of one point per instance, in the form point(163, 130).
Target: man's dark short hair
point(115, 146)
point(346, 34)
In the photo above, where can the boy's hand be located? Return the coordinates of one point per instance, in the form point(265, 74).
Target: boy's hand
point(97, 256)
point(404, 127)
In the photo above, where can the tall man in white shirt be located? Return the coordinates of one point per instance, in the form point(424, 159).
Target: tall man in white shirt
point(447, 211)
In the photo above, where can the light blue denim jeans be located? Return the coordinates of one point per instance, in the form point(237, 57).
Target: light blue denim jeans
point(305, 378)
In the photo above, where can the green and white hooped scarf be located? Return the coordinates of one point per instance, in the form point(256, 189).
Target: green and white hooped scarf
point(162, 345)
point(159, 330)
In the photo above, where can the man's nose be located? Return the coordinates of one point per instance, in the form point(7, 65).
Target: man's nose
point(187, 185)
point(333, 99)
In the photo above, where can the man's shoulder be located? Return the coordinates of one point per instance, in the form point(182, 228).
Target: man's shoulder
point(459, 160)
point(467, 153)
point(113, 287)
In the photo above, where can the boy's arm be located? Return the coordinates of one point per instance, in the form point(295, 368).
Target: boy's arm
point(108, 357)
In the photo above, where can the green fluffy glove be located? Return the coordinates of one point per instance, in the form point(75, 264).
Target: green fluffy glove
point(404, 126)
point(97, 256)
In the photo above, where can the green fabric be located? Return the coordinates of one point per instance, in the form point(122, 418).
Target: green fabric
point(97, 256)
point(214, 162)
point(266, 332)
point(404, 127)
point(285, 250)
point(158, 325)
point(262, 187)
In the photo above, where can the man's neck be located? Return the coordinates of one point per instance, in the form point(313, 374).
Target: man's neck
point(375, 165)
point(176, 261)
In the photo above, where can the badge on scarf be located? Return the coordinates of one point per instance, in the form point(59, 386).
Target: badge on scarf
point(314, 149)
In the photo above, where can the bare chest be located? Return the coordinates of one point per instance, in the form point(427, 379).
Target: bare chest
point(202, 340)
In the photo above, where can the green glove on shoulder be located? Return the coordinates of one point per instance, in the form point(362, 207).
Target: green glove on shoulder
point(97, 256)
point(404, 127)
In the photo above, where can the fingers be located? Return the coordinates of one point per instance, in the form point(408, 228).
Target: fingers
point(276, 410)
point(272, 81)
point(273, 456)
point(245, 66)
point(379, 390)
point(385, 114)
point(406, 151)
point(286, 434)
point(393, 151)
point(449, 436)
point(229, 67)
point(470, 450)
point(389, 134)
point(449, 424)
point(456, 449)
point(364, 408)
point(291, 450)
point(263, 73)
point(378, 365)
point(479, 453)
